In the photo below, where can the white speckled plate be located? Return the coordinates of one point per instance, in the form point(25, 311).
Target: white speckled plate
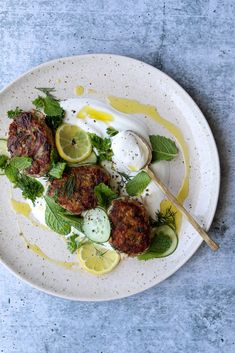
point(123, 77)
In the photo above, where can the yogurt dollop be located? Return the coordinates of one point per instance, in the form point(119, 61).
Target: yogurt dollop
point(129, 150)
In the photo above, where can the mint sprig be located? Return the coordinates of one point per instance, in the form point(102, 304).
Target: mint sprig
point(138, 184)
point(163, 148)
point(58, 219)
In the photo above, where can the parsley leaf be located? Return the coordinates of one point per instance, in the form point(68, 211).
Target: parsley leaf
point(14, 113)
point(30, 187)
point(138, 184)
point(103, 147)
point(58, 219)
point(162, 148)
point(73, 243)
point(105, 195)
point(51, 107)
point(111, 131)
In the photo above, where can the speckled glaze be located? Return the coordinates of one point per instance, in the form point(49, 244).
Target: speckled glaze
point(124, 77)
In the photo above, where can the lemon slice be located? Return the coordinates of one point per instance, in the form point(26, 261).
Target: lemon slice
point(96, 259)
point(73, 143)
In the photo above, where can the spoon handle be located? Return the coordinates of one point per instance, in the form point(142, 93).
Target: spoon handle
point(174, 200)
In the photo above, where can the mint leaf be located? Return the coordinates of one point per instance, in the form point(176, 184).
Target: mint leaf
point(58, 219)
point(53, 218)
point(160, 244)
point(162, 148)
point(57, 169)
point(14, 113)
point(138, 184)
point(111, 131)
point(105, 195)
point(103, 147)
point(20, 163)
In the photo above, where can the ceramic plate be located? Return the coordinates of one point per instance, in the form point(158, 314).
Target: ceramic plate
point(128, 78)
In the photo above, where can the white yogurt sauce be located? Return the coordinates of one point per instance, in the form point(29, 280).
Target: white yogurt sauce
point(129, 150)
point(131, 145)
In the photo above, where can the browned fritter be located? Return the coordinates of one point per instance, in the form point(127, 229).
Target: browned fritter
point(29, 136)
point(130, 226)
point(75, 191)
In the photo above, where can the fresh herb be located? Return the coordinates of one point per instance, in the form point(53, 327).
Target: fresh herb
point(159, 245)
point(165, 218)
point(20, 163)
point(103, 147)
point(165, 236)
point(162, 148)
point(14, 168)
point(69, 185)
point(57, 170)
point(58, 219)
point(3, 161)
point(105, 195)
point(138, 184)
point(74, 242)
point(47, 91)
point(51, 107)
point(111, 131)
point(125, 176)
point(30, 187)
point(14, 113)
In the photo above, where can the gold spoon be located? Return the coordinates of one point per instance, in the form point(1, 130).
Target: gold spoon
point(173, 199)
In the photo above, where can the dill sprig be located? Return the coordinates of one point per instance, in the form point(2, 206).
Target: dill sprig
point(69, 186)
point(166, 218)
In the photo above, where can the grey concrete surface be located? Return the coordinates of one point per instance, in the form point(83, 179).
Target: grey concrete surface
point(194, 42)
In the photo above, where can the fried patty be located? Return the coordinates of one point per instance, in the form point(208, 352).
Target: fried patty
point(130, 226)
point(75, 191)
point(29, 136)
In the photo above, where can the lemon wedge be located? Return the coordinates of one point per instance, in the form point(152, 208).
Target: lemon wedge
point(73, 143)
point(96, 259)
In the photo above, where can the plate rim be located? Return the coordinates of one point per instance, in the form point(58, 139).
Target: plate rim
point(216, 165)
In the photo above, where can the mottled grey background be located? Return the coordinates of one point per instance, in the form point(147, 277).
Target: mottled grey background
point(193, 42)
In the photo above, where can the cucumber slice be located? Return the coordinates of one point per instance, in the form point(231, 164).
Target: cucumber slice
point(165, 241)
point(92, 159)
point(96, 225)
point(3, 151)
